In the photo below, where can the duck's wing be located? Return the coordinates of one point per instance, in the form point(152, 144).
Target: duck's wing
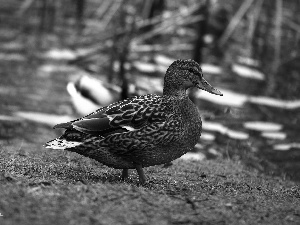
point(124, 116)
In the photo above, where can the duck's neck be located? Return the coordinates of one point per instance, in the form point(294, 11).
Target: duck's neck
point(174, 91)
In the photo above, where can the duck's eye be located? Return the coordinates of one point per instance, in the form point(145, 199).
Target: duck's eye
point(191, 70)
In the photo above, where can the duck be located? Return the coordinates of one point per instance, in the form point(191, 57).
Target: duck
point(144, 130)
point(89, 94)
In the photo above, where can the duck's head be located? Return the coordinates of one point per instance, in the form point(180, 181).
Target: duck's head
point(184, 74)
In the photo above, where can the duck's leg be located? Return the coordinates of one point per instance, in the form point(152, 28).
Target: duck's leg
point(125, 174)
point(142, 177)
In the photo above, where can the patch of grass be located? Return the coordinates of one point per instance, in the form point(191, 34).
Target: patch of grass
point(55, 187)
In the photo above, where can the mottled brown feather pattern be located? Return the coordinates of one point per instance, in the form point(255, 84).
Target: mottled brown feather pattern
point(145, 130)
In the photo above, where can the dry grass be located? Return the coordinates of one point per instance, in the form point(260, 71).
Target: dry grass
point(41, 186)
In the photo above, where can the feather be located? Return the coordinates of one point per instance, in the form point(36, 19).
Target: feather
point(141, 131)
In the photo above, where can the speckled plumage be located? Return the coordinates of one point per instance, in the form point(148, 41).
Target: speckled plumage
point(141, 131)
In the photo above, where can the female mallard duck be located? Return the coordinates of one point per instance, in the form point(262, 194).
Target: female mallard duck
point(141, 131)
point(88, 93)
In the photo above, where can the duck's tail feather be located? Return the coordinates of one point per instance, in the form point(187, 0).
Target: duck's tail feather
point(61, 144)
point(70, 139)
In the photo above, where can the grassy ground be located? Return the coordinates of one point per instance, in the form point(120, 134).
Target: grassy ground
point(40, 186)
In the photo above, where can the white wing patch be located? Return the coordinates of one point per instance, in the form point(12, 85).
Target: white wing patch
point(129, 128)
point(110, 117)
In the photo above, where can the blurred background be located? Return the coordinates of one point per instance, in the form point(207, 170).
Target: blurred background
point(63, 59)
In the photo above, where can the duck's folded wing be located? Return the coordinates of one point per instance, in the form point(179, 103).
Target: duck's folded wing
point(130, 114)
point(158, 133)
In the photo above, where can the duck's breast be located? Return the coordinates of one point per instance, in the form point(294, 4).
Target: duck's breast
point(191, 122)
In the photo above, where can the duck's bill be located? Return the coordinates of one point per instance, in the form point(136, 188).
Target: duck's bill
point(204, 85)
